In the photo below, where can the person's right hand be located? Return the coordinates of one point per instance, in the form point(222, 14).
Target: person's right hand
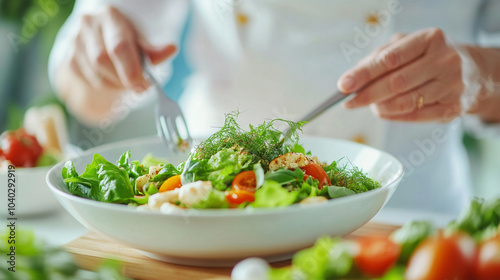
point(106, 52)
point(101, 64)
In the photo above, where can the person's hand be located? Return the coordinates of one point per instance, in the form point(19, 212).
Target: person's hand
point(106, 52)
point(102, 62)
point(417, 77)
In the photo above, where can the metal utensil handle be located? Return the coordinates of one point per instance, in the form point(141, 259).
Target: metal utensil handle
point(334, 99)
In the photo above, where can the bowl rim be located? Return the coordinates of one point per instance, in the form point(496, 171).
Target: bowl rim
point(192, 212)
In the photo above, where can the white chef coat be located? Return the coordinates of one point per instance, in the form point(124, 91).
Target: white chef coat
point(280, 58)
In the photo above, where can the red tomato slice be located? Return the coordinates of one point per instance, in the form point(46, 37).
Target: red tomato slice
point(245, 181)
point(377, 255)
point(20, 148)
point(441, 257)
point(317, 172)
point(487, 260)
point(236, 197)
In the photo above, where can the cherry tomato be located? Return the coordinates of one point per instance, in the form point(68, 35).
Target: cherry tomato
point(442, 257)
point(377, 255)
point(487, 260)
point(171, 183)
point(317, 172)
point(245, 181)
point(236, 197)
point(20, 148)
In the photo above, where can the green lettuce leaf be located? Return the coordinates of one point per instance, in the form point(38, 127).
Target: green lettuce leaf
point(114, 184)
point(134, 169)
point(272, 194)
point(286, 176)
point(167, 171)
point(101, 181)
point(297, 148)
point(259, 175)
point(220, 169)
point(334, 192)
point(215, 199)
point(149, 160)
point(75, 185)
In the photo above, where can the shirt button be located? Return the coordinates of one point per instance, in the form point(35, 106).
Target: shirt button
point(241, 19)
point(372, 19)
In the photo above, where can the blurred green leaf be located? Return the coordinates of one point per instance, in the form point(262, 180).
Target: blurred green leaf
point(15, 116)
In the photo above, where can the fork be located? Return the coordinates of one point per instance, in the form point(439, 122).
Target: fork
point(167, 114)
point(336, 98)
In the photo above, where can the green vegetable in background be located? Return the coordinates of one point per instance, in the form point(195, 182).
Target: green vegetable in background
point(15, 116)
point(327, 259)
point(37, 260)
point(47, 159)
point(410, 235)
point(330, 258)
point(397, 272)
point(481, 219)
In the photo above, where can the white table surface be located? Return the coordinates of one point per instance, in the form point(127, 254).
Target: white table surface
point(59, 227)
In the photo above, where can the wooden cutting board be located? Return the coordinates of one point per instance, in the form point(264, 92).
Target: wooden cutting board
point(91, 249)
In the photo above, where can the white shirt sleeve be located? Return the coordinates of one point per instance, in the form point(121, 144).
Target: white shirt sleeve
point(489, 24)
point(488, 27)
point(159, 21)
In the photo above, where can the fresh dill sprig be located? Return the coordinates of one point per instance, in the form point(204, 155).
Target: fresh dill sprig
point(354, 179)
point(263, 142)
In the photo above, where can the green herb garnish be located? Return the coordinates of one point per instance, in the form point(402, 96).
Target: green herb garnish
point(263, 142)
point(353, 179)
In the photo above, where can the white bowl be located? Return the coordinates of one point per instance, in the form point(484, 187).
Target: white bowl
point(32, 196)
point(222, 237)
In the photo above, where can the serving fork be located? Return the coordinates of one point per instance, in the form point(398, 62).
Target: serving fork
point(168, 115)
point(336, 98)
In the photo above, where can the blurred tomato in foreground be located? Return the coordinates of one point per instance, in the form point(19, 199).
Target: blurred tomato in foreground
point(20, 148)
point(442, 257)
point(376, 255)
point(487, 260)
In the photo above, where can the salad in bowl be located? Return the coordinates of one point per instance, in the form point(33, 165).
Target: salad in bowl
point(233, 168)
point(238, 194)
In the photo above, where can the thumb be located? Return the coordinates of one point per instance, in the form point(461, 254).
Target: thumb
point(158, 54)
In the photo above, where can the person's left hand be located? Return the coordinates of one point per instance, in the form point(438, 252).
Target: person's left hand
point(417, 77)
